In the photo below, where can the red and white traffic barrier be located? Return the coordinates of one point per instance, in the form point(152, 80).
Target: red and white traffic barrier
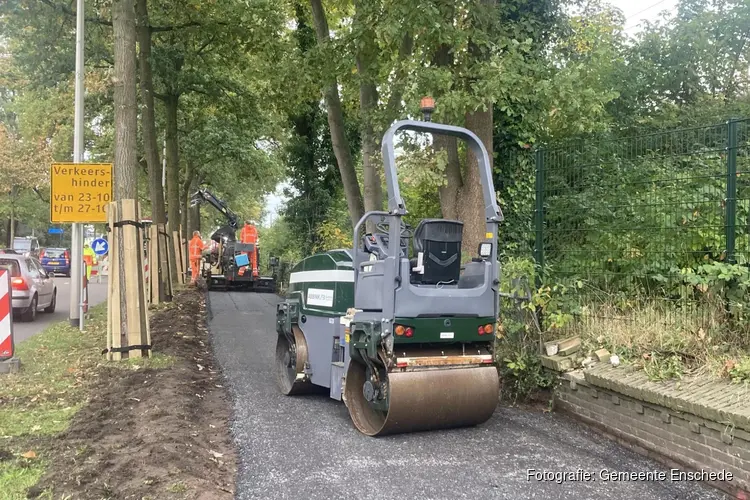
point(7, 346)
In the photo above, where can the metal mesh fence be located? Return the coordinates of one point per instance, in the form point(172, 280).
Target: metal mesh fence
point(628, 223)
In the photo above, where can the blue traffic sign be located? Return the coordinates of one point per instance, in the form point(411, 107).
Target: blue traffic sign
point(100, 246)
point(55, 230)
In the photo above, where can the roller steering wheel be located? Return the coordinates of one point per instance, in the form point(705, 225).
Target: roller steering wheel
point(406, 230)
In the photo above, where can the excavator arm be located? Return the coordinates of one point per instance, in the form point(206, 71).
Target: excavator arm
point(205, 196)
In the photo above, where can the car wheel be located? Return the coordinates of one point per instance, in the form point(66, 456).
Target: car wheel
point(30, 313)
point(51, 307)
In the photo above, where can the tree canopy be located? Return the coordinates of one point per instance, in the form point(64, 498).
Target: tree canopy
point(244, 96)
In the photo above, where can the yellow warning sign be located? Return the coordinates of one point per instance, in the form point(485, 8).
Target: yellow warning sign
point(79, 192)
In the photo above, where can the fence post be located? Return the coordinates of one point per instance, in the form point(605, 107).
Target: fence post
point(539, 215)
point(731, 202)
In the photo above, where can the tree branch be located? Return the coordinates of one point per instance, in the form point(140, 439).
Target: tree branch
point(70, 12)
point(394, 101)
point(39, 194)
point(160, 29)
point(191, 24)
point(105, 22)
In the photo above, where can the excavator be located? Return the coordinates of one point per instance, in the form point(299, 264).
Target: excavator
point(232, 264)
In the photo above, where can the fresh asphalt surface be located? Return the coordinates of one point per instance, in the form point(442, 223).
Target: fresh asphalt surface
point(97, 295)
point(306, 447)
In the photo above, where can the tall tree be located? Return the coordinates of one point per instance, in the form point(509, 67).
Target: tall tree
point(479, 121)
point(366, 56)
point(126, 113)
point(148, 114)
point(336, 123)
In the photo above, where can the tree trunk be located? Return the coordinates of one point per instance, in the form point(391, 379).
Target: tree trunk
point(478, 121)
point(126, 134)
point(450, 191)
point(148, 120)
point(341, 147)
point(173, 182)
point(194, 213)
point(126, 113)
point(471, 208)
point(189, 176)
point(366, 59)
point(12, 227)
point(173, 168)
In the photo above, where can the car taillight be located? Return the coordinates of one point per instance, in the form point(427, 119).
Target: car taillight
point(67, 256)
point(18, 284)
point(41, 254)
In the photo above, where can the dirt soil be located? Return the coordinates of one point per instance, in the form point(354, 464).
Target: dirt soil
point(152, 433)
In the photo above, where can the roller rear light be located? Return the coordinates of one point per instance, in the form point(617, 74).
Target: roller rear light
point(404, 331)
point(486, 329)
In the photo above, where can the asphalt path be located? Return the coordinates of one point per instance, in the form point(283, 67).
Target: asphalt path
point(306, 446)
point(97, 295)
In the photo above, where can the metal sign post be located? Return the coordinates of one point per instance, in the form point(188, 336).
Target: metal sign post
point(76, 242)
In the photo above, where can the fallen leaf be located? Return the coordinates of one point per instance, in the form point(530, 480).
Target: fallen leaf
point(29, 454)
point(216, 454)
point(200, 368)
point(36, 428)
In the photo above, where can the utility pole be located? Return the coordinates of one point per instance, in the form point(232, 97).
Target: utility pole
point(76, 242)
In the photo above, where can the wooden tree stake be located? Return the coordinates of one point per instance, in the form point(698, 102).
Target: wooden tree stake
point(127, 318)
point(178, 258)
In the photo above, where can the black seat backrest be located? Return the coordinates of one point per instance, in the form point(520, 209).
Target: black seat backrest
point(440, 242)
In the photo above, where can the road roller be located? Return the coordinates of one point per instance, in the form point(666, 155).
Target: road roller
point(397, 327)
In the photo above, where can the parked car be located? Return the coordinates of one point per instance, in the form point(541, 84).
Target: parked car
point(32, 288)
point(28, 246)
point(9, 250)
point(55, 260)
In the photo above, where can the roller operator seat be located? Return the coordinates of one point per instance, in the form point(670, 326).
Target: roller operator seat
point(439, 242)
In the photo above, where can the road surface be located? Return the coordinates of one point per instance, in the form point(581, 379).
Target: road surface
point(97, 295)
point(306, 447)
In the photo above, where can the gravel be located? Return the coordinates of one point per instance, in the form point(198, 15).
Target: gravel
point(306, 446)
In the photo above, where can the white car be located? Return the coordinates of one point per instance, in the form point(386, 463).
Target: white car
point(32, 288)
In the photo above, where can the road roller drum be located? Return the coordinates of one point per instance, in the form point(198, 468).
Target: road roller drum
point(397, 327)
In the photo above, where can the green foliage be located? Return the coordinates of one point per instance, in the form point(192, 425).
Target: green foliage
point(330, 236)
point(521, 371)
point(278, 241)
point(739, 372)
point(517, 347)
point(663, 367)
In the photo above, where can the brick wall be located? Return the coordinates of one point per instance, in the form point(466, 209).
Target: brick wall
point(677, 439)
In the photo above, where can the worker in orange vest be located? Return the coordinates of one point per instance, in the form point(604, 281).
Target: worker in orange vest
point(249, 234)
point(89, 258)
point(196, 250)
